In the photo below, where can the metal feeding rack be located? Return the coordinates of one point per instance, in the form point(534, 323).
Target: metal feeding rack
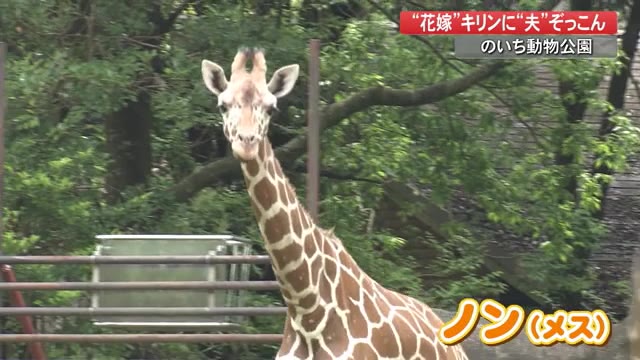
point(211, 246)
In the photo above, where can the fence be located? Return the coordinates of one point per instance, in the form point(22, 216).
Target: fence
point(161, 316)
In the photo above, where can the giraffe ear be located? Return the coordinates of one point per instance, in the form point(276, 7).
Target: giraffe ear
point(214, 77)
point(283, 80)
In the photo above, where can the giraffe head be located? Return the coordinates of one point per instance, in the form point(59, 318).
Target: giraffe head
point(246, 100)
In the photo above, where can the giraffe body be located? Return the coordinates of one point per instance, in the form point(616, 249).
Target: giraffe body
point(335, 310)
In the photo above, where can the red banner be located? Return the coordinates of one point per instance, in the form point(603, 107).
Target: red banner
point(509, 22)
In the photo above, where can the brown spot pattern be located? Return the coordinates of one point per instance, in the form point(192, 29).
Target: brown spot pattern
point(265, 194)
point(345, 259)
point(268, 151)
point(316, 269)
point(299, 277)
point(271, 170)
point(297, 223)
point(427, 350)
point(409, 342)
point(357, 322)
point(290, 195)
point(336, 334)
point(370, 309)
point(252, 167)
point(349, 284)
point(281, 257)
point(277, 226)
point(302, 352)
point(310, 321)
point(283, 194)
point(263, 150)
point(364, 352)
point(411, 320)
point(289, 337)
point(308, 301)
point(305, 218)
point(384, 341)
point(330, 268)
point(324, 288)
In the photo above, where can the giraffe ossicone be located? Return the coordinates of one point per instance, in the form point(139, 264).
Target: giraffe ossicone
point(334, 309)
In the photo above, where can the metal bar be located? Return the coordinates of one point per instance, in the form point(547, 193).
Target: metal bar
point(164, 237)
point(145, 338)
point(142, 285)
point(3, 105)
point(15, 297)
point(313, 128)
point(3, 52)
point(157, 259)
point(144, 311)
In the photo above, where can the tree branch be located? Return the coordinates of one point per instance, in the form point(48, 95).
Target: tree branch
point(167, 24)
point(330, 116)
point(455, 67)
point(337, 175)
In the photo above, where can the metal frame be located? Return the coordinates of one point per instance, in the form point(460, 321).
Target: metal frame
point(161, 311)
point(220, 245)
point(313, 129)
point(234, 238)
point(216, 277)
point(136, 260)
point(34, 339)
point(144, 338)
point(141, 285)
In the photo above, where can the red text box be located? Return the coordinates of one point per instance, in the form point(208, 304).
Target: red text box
point(509, 22)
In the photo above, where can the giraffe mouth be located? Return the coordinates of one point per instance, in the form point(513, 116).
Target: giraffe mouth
point(244, 151)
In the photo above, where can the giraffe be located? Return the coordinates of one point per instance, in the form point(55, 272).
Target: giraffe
point(334, 309)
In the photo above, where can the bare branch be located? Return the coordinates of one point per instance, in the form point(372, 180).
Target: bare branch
point(330, 116)
point(142, 43)
point(336, 175)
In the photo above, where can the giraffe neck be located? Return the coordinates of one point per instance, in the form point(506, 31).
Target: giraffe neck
point(294, 243)
point(330, 299)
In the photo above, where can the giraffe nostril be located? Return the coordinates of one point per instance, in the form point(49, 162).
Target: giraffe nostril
point(248, 139)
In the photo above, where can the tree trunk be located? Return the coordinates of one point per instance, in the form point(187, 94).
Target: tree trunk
point(617, 90)
point(128, 130)
point(575, 107)
point(128, 138)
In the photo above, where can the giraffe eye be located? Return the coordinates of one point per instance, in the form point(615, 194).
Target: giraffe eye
point(271, 109)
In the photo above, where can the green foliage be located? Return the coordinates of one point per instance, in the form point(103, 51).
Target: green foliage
point(458, 264)
point(375, 252)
